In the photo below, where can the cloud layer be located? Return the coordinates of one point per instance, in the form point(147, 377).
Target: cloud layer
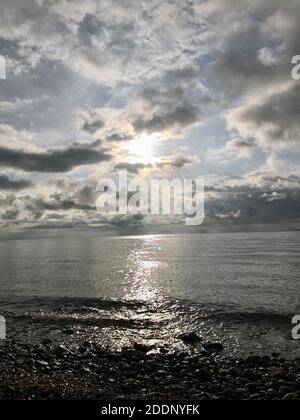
point(7, 183)
point(207, 82)
point(52, 161)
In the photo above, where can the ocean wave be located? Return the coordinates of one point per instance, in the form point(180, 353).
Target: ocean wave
point(131, 314)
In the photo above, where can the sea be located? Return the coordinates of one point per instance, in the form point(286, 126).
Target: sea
point(240, 289)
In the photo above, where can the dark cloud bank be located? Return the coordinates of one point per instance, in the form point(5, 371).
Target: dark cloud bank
point(7, 183)
point(52, 160)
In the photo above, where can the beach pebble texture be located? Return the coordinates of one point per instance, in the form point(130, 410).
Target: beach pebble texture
point(48, 371)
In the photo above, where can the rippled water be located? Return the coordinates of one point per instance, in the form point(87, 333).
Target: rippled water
point(241, 289)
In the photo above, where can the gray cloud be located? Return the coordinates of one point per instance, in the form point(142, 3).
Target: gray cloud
point(93, 123)
point(119, 137)
point(240, 70)
point(177, 100)
point(126, 220)
point(253, 69)
point(88, 27)
point(58, 203)
point(255, 207)
point(52, 160)
point(274, 121)
point(7, 183)
point(261, 198)
point(133, 168)
point(179, 117)
point(179, 162)
point(10, 215)
point(93, 126)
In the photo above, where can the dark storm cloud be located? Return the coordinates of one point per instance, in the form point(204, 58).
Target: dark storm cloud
point(52, 160)
point(6, 183)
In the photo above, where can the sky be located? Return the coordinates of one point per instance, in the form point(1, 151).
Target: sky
point(176, 89)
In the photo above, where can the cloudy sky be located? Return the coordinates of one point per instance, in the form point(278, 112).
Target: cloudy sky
point(161, 88)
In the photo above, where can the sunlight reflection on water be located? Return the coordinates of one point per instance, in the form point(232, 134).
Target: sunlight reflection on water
point(142, 262)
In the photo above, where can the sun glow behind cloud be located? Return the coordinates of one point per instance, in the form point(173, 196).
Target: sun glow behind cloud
point(142, 149)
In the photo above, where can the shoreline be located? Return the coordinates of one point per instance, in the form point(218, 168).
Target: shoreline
point(50, 371)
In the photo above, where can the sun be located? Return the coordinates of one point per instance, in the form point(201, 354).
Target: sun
point(142, 149)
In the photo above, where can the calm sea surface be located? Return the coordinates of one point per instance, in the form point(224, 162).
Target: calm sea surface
point(241, 289)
